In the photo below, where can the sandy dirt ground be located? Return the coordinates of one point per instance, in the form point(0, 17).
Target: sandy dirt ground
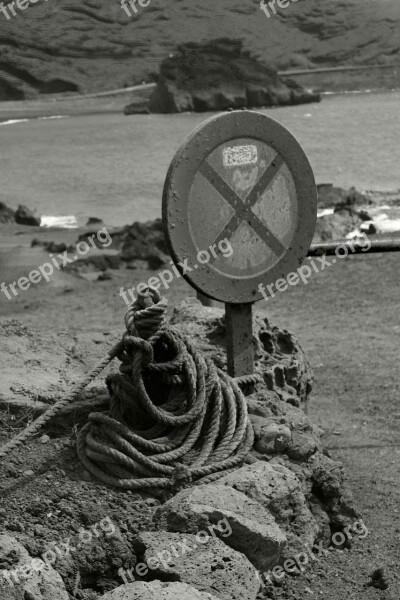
point(348, 322)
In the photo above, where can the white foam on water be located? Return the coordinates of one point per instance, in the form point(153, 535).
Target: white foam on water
point(13, 121)
point(386, 225)
point(66, 222)
point(53, 117)
point(325, 211)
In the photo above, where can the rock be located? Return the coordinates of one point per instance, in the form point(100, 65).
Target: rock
point(305, 441)
point(137, 107)
point(98, 556)
point(335, 226)
point(219, 75)
point(157, 590)
point(102, 261)
point(279, 492)
point(52, 247)
point(44, 439)
point(378, 579)
point(270, 436)
point(329, 486)
point(25, 578)
point(7, 215)
point(143, 242)
point(94, 221)
point(347, 216)
point(24, 216)
point(331, 196)
point(211, 567)
point(241, 522)
point(105, 276)
point(282, 428)
point(279, 357)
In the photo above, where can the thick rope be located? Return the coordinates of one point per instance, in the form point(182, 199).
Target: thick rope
point(245, 380)
point(174, 418)
point(34, 427)
point(195, 432)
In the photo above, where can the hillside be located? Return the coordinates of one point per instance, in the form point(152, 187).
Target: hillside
point(91, 45)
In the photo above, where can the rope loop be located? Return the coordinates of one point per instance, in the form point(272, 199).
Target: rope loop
point(175, 419)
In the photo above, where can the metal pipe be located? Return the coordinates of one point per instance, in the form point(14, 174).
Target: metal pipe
point(381, 245)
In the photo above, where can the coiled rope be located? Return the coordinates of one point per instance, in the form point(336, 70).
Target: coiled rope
point(197, 430)
point(174, 418)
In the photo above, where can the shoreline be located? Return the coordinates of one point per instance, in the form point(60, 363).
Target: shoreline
point(115, 103)
point(22, 247)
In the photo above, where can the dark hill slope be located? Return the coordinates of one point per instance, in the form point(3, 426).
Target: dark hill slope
point(90, 45)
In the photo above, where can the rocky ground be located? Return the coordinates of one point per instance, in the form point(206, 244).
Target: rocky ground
point(90, 45)
point(296, 493)
point(289, 496)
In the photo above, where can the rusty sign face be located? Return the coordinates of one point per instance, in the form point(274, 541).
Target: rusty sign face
point(241, 178)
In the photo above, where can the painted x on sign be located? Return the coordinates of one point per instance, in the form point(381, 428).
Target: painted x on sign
point(240, 176)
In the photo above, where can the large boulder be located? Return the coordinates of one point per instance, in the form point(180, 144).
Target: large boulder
point(278, 490)
point(241, 522)
point(220, 75)
point(25, 578)
point(7, 215)
point(157, 590)
point(208, 565)
point(24, 216)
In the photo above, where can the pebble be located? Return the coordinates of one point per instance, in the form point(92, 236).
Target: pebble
point(12, 471)
point(28, 473)
point(39, 530)
point(44, 439)
point(17, 527)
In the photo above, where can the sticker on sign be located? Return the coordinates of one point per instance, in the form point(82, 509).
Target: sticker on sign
point(240, 155)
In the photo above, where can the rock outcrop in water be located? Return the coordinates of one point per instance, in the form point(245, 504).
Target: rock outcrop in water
point(23, 215)
point(7, 215)
point(349, 212)
point(219, 75)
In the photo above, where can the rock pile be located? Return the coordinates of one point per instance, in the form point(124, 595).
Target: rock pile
point(349, 211)
point(217, 540)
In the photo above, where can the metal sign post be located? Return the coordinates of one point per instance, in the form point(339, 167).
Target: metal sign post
point(240, 181)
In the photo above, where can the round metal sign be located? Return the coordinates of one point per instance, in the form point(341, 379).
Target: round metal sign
point(239, 205)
